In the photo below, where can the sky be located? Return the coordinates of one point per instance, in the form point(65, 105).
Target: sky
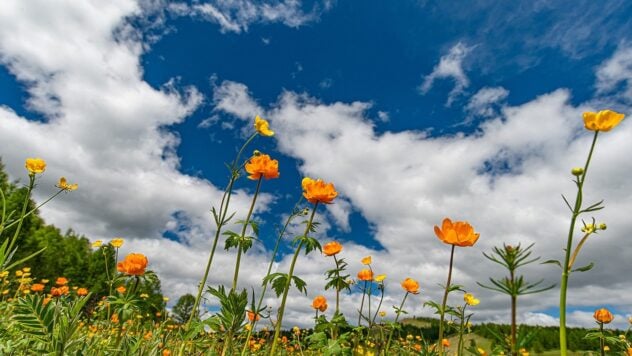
point(415, 110)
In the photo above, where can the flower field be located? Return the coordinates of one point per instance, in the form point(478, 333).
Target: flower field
point(124, 313)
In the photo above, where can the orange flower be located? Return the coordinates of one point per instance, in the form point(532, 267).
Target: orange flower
point(603, 315)
point(82, 292)
point(365, 275)
point(58, 292)
point(114, 318)
point(252, 316)
point(459, 233)
point(445, 342)
point(61, 281)
point(262, 165)
point(37, 287)
point(604, 120)
point(134, 264)
point(332, 248)
point(366, 261)
point(411, 285)
point(121, 289)
point(320, 303)
point(317, 191)
point(166, 352)
point(35, 165)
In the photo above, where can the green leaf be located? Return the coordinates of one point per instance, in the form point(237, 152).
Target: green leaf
point(588, 267)
point(300, 284)
point(556, 262)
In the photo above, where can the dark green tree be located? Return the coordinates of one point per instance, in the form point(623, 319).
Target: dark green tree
point(183, 308)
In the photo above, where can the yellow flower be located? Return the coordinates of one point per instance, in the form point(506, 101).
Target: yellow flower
point(317, 191)
point(411, 285)
point(26, 269)
point(63, 185)
point(263, 127)
point(470, 300)
point(603, 315)
point(35, 165)
point(380, 278)
point(481, 351)
point(459, 233)
point(366, 260)
point(382, 314)
point(19, 273)
point(97, 244)
point(604, 120)
point(117, 242)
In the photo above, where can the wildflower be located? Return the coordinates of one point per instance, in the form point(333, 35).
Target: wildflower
point(44, 281)
point(117, 242)
point(382, 314)
point(523, 352)
point(19, 273)
point(284, 340)
point(459, 233)
point(35, 165)
point(577, 171)
point(481, 351)
point(47, 300)
point(121, 289)
point(37, 287)
point(26, 269)
point(58, 292)
point(296, 330)
point(603, 315)
point(114, 318)
point(604, 120)
point(332, 248)
point(144, 295)
point(63, 184)
point(411, 286)
point(252, 316)
point(61, 281)
point(263, 127)
point(380, 278)
point(470, 300)
point(97, 244)
point(320, 303)
point(366, 260)
point(134, 264)
point(365, 275)
point(262, 166)
point(605, 348)
point(445, 342)
point(317, 191)
point(82, 291)
point(165, 299)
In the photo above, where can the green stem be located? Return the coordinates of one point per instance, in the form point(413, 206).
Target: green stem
point(461, 328)
point(22, 215)
point(602, 352)
point(390, 336)
point(569, 245)
point(362, 304)
point(514, 307)
point(379, 305)
point(243, 233)
point(443, 303)
point(369, 299)
point(337, 286)
point(277, 329)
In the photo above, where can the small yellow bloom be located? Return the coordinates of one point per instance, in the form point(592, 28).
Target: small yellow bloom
point(380, 278)
point(577, 171)
point(97, 244)
point(470, 300)
point(19, 273)
point(117, 242)
point(26, 269)
point(263, 127)
point(63, 185)
point(481, 351)
point(166, 299)
point(604, 120)
point(382, 314)
point(366, 260)
point(35, 165)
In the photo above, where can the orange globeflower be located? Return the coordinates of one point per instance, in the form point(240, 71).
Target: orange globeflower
point(459, 233)
point(365, 275)
point(134, 264)
point(317, 191)
point(603, 315)
point(252, 316)
point(37, 287)
point(61, 281)
point(35, 165)
point(82, 291)
point(320, 303)
point(604, 120)
point(58, 292)
point(411, 285)
point(121, 289)
point(445, 342)
point(262, 166)
point(332, 248)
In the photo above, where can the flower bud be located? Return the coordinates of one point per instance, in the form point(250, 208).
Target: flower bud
point(602, 226)
point(256, 153)
point(577, 171)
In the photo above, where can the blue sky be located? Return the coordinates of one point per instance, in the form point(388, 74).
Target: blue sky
point(415, 110)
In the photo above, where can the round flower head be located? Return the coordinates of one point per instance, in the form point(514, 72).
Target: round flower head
point(134, 264)
point(320, 303)
point(470, 300)
point(35, 165)
point(82, 292)
point(366, 260)
point(117, 242)
point(262, 166)
point(604, 120)
point(332, 248)
point(365, 275)
point(603, 315)
point(61, 281)
point(317, 191)
point(380, 278)
point(410, 285)
point(252, 316)
point(459, 233)
point(263, 127)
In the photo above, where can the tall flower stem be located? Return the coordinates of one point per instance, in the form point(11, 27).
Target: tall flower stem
point(243, 233)
point(337, 286)
point(399, 311)
point(23, 213)
point(444, 302)
point(220, 222)
point(279, 322)
point(362, 303)
point(569, 245)
point(602, 352)
point(381, 287)
point(265, 284)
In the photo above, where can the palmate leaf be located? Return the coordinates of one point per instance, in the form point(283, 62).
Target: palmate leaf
point(34, 318)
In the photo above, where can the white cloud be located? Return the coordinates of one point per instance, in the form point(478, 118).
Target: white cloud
point(450, 66)
point(234, 98)
point(237, 15)
point(615, 74)
point(484, 101)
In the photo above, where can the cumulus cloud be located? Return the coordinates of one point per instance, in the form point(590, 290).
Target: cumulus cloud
point(237, 15)
point(484, 103)
point(449, 66)
point(615, 73)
